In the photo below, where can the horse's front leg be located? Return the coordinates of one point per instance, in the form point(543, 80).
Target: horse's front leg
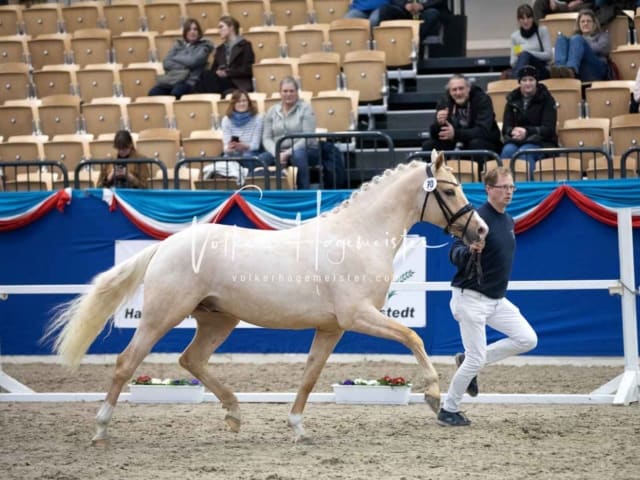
point(323, 344)
point(371, 322)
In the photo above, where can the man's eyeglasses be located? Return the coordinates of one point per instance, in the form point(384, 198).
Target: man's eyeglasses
point(505, 188)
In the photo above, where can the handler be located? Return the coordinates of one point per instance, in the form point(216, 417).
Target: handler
point(478, 297)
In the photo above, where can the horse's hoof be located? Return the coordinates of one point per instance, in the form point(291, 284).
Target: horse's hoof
point(233, 422)
point(100, 442)
point(433, 402)
point(303, 440)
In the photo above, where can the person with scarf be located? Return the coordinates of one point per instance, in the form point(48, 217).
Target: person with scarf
point(232, 61)
point(530, 44)
point(242, 127)
point(529, 119)
point(583, 55)
point(189, 54)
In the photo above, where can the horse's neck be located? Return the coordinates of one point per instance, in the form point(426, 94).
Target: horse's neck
point(385, 211)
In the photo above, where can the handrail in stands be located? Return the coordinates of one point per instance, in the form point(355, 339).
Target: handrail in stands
point(253, 162)
point(127, 161)
point(623, 160)
point(559, 152)
point(35, 163)
point(348, 137)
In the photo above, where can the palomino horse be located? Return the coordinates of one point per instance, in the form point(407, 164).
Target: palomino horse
point(331, 274)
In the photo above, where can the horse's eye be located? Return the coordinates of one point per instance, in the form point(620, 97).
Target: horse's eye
point(450, 192)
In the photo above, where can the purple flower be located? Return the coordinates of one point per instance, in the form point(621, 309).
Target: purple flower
point(194, 381)
point(348, 382)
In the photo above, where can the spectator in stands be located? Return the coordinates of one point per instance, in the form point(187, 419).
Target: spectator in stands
point(126, 175)
point(584, 54)
point(294, 115)
point(529, 119)
point(184, 63)
point(232, 61)
point(478, 298)
point(635, 95)
point(291, 115)
point(541, 8)
point(464, 119)
point(369, 9)
point(242, 127)
point(433, 14)
point(530, 44)
point(607, 10)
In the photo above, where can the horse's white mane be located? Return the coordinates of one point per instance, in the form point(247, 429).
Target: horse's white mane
point(373, 184)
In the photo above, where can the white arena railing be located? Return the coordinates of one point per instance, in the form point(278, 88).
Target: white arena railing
point(622, 390)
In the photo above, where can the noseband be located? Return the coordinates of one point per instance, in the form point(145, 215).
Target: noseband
point(449, 216)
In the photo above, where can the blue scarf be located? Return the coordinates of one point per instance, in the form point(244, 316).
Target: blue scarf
point(240, 119)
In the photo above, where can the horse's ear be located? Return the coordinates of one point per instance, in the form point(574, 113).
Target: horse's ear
point(437, 158)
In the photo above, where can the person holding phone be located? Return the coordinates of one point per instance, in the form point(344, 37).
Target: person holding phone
point(241, 127)
point(124, 175)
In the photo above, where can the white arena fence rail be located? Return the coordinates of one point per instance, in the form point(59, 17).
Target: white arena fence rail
point(622, 390)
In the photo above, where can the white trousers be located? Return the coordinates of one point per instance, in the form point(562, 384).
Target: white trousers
point(474, 311)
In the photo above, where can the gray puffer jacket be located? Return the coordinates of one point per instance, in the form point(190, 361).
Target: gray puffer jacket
point(192, 56)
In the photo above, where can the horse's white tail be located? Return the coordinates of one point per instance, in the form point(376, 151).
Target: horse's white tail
point(82, 319)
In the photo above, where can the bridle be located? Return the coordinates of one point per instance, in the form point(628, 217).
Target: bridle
point(449, 216)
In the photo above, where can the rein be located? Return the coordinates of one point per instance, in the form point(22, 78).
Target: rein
point(450, 217)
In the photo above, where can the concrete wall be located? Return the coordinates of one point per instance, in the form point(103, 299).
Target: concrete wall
point(490, 23)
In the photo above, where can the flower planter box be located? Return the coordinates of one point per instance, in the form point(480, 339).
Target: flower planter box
point(371, 394)
point(166, 393)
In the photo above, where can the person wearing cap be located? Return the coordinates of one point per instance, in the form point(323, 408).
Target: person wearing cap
point(529, 119)
point(530, 44)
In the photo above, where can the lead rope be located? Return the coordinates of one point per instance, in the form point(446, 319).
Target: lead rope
point(474, 263)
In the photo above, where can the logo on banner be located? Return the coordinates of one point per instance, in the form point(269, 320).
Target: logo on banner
point(406, 307)
point(409, 265)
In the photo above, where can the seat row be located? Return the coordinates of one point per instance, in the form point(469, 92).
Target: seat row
point(605, 99)
point(398, 38)
point(364, 71)
point(335, 110)
point(128, 15)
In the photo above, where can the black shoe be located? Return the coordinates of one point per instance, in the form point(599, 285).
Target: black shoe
point(472, 389)
point(452, 419)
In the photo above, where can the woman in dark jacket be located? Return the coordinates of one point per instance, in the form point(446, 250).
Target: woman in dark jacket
point(530, 118)
point(232, 61)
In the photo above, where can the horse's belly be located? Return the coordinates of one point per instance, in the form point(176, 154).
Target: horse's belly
point(275, 307)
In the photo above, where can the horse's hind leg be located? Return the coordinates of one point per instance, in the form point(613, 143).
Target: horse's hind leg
point(372, 322)
point(157, 319)
point(323, 344)
point(213, 329)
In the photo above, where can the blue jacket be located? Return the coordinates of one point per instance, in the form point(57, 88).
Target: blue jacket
point(367, 5)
